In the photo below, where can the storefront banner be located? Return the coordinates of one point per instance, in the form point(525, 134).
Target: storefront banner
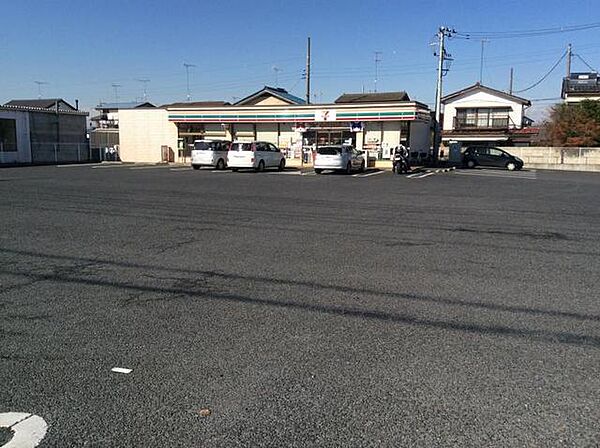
point(325, 115)
point(356, 126)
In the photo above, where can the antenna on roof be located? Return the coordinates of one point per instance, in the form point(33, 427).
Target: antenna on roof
point(40, 84)
point(276, 70)
point(377, 61)
point(116, 88)
point(187, 77)
point(144, 82)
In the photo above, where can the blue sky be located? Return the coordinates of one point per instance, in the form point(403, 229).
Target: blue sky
point(81, 47)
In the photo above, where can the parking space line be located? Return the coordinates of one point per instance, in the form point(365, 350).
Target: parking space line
point(503, 175)
point(110, 166)
point(414, 175)
point(374, 173)
point(121, 370)
point(180, 169)
point(78, 165)
point(150, 167)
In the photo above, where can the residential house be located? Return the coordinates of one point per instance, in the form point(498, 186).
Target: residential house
point(581, 86)
point(481, 115)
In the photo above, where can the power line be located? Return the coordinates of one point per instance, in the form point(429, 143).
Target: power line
point(543, 77)
point(584, 61)
point(526, 33)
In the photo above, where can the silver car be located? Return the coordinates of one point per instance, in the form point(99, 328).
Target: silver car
point(339, 158)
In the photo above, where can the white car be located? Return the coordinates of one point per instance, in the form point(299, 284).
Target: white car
point(255, 155)
point(210, 153)
point(339, 158)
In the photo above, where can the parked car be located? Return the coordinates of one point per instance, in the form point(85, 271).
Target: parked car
point(255, 155)
point(490, 156)
point(339, 158)
point(210, 153)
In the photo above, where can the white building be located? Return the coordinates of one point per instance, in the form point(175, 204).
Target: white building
point(373, 121)
point(480, 114)
point(42, 131)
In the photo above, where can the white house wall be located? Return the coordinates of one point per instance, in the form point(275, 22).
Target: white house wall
point(142, 133)
point(478, 100)
point(23, 153)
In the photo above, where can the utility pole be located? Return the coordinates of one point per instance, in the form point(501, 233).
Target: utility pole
point(510, 84)
point(187, 78)
point(483, 42)
point(308, 72)
point(144, 82)
point(443, 32)
point(116, 89)
point(569, 54)
point(377, 61)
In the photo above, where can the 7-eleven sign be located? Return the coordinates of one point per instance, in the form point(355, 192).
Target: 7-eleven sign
point(325, 115)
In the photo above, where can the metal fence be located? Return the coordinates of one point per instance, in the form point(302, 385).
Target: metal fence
point(64, 153)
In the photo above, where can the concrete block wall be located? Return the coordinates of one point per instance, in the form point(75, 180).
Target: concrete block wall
point(557, 158)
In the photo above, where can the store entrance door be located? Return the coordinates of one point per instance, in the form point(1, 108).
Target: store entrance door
point(324, 137)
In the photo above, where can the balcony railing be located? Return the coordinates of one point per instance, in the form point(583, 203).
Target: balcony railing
point(461, 123)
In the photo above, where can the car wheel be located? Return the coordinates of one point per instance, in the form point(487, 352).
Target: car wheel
point(470, 164)
point(196, 167)
point(220, 164)
point(261, 166)
point(349, 168)
point(318, 170)
point(234, 170)
point(510, 166)
point(362, 167)
point(281, 165)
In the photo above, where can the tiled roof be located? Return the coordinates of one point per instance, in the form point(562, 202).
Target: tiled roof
point(196, 104)
point(39, 103)
point(379, 97)
point(274, 91)
point(480, 87)
point(125, 105)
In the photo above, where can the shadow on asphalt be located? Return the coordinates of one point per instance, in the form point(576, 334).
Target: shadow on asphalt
point(69, 275)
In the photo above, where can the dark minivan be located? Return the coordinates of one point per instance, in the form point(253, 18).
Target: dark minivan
point(490, 156)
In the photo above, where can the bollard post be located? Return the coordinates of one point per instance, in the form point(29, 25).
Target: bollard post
point(55, 153)
point(78, 153)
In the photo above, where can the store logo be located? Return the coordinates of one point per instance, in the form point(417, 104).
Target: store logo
point(325, 115)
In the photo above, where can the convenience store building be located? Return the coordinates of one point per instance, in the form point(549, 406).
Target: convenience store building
point(374, 121)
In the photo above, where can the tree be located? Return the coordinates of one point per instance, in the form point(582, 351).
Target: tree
point(574, 124)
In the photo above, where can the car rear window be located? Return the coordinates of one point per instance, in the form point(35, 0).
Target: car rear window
point(328, 151)
point(206, 146)
point(241, 147)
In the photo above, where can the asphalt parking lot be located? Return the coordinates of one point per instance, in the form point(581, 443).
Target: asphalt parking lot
point(279, 309)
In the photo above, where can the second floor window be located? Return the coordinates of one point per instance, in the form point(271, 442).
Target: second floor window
point(486, 117)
